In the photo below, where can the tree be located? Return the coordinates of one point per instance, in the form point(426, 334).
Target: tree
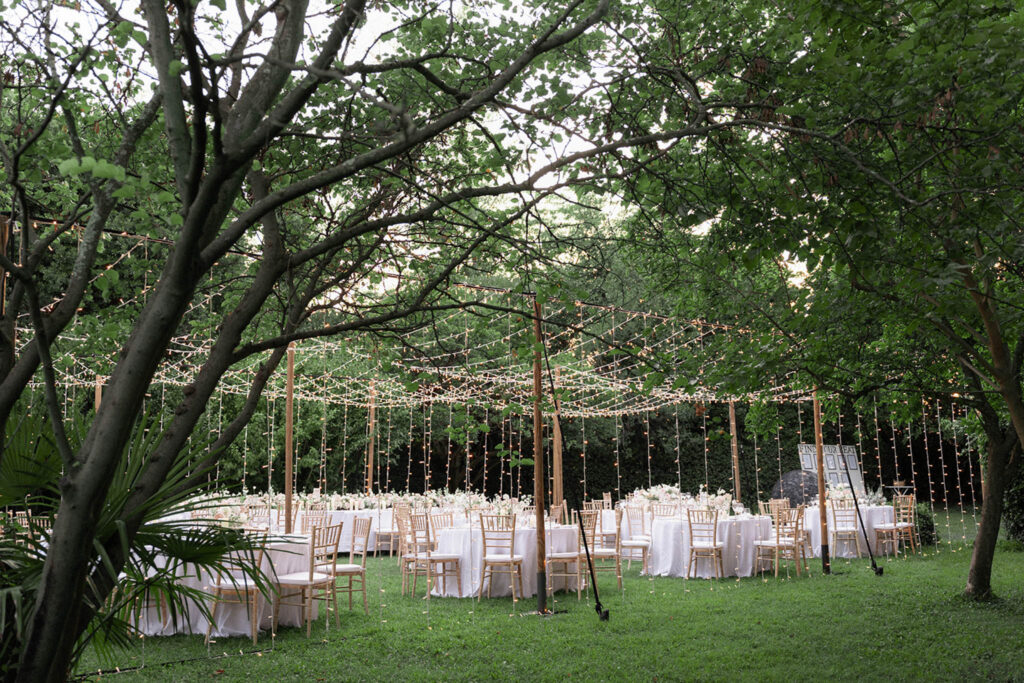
point(363, 164)
point(880, 165)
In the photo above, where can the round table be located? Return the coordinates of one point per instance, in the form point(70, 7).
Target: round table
point(670, 546)
point(284, 555)
point(467, 543)
point(873, 515)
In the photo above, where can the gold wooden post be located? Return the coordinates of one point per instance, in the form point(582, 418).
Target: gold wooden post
point(735, 451)
point(98, 396)
point(369, 444)
point(556, 450)
point(539, 496)
point(288, 434)
point(826, 564)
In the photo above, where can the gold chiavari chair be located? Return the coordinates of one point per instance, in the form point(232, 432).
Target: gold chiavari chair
point(318, 583)
point(704, 543)
point(606, 548)
point(639, 540)
point(499, 540)
point(355, 572)
point(566, 564)
point(233, 585)
point(787, 543)
point(903, 528)
point(844, 523)
point(420, 559)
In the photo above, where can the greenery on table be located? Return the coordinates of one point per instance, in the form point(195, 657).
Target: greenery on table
point(907, 624)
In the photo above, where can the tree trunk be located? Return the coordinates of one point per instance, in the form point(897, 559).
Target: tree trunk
point(979, 576)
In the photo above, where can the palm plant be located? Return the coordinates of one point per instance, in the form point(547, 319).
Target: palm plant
point(168, 539)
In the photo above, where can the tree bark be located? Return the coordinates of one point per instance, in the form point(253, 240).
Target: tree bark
point(979, 576)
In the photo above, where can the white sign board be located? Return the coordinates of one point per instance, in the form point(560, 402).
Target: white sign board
point(835, 467)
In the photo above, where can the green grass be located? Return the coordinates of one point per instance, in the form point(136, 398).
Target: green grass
point(908, 624)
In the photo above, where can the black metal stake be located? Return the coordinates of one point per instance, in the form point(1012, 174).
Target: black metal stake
point(601, 612)
point(860, 520)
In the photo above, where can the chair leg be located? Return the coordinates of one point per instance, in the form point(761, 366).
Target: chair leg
point(255, 617)
point(213, 617)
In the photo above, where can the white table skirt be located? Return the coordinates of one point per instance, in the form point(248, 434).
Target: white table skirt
point(670, 546)
point(873, 516)
point(468, 545)
point(283, 556)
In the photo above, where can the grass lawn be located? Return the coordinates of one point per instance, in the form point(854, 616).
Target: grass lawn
point(908, 624)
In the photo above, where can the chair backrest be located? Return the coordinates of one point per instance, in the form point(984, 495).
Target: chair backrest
point(615, 532)
point(310, 520)
point(235, 562)
point(589, 519)
point(559, 514)
point(664, 509)
point(606, 500)
point(279, 516)
point(763, 508)
point(360, 540)
point(323, 549)
point(419, 537)
point(499, 534)
point(442, 520)
point(703, 526)
point(904, 508)
point(636, 518)
point(777, 504)
point(789, 524)
point(593, 505)
point(844, 514)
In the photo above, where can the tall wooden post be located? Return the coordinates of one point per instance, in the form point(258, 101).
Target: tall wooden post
point(98, 396)
point(557, 492)
point(735, 451)
point(539, 497)
point(289, 429)
point(826, 564)
point(369, 443)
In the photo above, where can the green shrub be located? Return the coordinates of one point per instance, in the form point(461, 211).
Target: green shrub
point(925, 524)
point(1013, 510)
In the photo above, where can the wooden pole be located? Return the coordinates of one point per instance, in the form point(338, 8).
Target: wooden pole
point(539, 496)
point(826, 564)
point(735, 451)
point(289, 428)
point(556, 451)
point(369, 444)
point(99, 392)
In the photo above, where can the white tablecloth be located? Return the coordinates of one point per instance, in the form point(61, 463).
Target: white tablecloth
point(873, 516)
point(283, 556)
point(670, 546)
point(468, 545)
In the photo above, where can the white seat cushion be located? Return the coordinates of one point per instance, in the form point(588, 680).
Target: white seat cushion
point(707, 544)
point(563, 556)
point(603, 552)
point(302, 578)
point(348, 569)
point(636, 544)
point(433, 557)
point(232, 583)
point(503, 558)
